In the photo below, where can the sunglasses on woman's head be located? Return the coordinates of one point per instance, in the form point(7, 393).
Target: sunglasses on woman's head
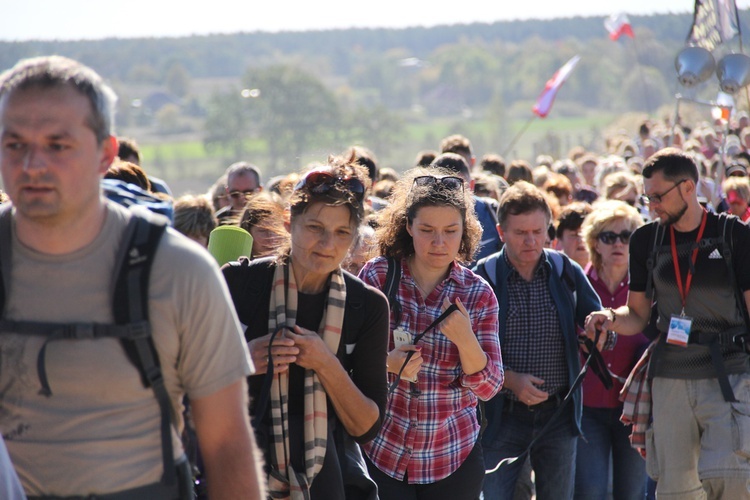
point(450, 182)
point(324, 182)
point(610, 237)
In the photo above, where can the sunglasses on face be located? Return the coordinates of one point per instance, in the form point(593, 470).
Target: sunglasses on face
point(236, 195)
point(610, 237)
point(449, 182)
point(324, 182)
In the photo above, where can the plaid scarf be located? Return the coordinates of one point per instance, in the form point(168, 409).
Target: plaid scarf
point(636, 398)
point(285, 482)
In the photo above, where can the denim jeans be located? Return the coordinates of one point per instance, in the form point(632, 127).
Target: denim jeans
point(605, 437)
point(552, 457)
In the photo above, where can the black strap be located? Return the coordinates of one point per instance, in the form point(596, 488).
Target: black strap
point(392, 280)
point(576, 383)
point(658, 237)
point(438, 320)
point(131, 305)
point(5, 256)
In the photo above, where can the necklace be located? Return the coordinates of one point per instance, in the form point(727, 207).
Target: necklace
point(422, 290)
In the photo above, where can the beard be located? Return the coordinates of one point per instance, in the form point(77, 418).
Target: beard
point(668, 219)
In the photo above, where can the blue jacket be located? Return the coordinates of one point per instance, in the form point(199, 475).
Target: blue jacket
point(572, 309)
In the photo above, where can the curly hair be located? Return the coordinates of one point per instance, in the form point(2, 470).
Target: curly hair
point(393, 239)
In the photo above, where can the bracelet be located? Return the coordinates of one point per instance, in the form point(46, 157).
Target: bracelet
point(611, 341)
point(614, 316)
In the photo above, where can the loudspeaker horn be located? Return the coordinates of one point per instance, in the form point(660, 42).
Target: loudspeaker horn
point(733, 72)
point(694, 65)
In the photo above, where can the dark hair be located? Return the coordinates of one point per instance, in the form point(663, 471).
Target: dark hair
point(127, 148)
point(572, 216)
point(673, 164)
point(519, 170)
point(522, 198)
point(458, 144)
point(494, 164)
point(424, 158)
point(365, 158)
point(453, 162)
point(392, 236)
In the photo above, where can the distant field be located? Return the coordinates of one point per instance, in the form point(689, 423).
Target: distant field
point(186, 166)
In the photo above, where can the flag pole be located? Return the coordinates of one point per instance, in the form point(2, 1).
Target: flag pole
point(518, 135)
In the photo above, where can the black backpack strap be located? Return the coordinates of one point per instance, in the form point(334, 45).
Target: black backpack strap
point(5, 255)
point(392, 280)
point(354, 313)
point(655, 243)
point(130, 306)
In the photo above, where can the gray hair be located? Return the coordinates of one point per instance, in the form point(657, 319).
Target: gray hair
point(58, 71)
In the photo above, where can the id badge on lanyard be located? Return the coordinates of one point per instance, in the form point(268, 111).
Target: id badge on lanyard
point(680, 325)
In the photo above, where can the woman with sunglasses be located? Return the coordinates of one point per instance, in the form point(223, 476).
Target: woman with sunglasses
point(428, 447)
point(317, 337)
point(607, 232)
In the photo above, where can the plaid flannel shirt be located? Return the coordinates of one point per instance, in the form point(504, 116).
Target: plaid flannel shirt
point(430, 435)
point(636, 399)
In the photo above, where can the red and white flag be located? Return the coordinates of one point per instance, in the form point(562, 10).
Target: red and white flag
point(544, 103)
point(618, 25)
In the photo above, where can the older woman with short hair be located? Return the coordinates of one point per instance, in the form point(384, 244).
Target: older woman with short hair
point(607, 230)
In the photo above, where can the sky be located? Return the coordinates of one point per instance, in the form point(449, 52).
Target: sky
point(87, 19)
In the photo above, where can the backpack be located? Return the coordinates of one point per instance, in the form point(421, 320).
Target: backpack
point(714, 342)
point(489, 269)
point(131, 325)
point(486, 210)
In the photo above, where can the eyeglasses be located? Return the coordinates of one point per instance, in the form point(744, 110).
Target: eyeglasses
point(657, 198)
point(610, 237)
point(324, 182)
point(449, 182)
point(247, 193)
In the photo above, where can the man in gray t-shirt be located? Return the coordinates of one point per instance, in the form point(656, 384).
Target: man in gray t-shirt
point(697, 446)
point(98, 432)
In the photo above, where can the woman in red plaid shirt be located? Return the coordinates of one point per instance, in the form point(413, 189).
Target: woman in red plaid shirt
point(428, 447)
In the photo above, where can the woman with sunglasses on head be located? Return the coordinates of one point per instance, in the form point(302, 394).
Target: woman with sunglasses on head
point(428, 446)
point(607, 232)
point(318, 339)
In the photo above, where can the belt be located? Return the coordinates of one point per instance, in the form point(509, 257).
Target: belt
point(552, 402)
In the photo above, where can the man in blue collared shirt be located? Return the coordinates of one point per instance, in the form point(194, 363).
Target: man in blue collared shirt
point(538, 314)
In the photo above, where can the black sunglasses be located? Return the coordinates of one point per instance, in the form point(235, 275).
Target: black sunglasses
point(324, 182)
point(243, 194)
point(610, 237)
point(450, 182)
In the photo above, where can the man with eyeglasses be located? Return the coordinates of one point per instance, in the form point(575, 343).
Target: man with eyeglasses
point(243, 181)
point(698, 444)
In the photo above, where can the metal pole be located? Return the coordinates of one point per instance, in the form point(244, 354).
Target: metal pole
point(518, 135)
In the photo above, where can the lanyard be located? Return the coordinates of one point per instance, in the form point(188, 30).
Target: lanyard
point(678, 276)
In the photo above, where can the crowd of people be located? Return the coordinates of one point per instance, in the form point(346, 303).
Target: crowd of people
point(461, 328)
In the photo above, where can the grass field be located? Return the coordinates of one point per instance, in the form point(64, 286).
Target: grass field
point(186, 165)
